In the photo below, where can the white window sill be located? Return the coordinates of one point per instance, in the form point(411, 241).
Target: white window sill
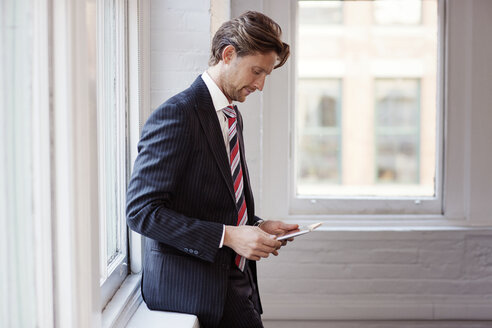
point(380, 223)
point(123, 304)
point(126, 309)
point(144, 317)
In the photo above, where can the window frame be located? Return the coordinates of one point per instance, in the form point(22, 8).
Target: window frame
point(42, 185)
point(113, 272)
point(128, 297)
point(277, 204)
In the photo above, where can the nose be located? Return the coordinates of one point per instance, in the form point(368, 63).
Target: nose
point(260, 82)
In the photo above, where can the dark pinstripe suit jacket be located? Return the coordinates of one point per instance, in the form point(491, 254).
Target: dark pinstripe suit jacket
point(180, 194)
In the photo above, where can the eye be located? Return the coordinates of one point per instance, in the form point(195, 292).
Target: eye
point(256, 72)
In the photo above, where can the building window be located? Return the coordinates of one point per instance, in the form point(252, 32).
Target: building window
point(320, 12)
point(397, 139)
point(319, 134)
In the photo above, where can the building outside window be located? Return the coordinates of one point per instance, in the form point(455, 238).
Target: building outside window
point(319, 132)
point(397, 127)
point(376, 135)
point(321, 12)
point(400, 12)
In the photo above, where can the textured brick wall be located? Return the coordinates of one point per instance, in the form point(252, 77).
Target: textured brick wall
point(381, 275)
point(180, 45)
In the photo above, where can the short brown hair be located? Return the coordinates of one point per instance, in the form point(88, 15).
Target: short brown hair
point(250, 33)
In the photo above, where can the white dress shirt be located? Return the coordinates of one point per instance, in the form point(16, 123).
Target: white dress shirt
point(220, 101)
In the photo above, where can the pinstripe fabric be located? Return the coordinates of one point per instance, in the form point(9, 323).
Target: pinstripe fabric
point(242, 313)
point(179, 196)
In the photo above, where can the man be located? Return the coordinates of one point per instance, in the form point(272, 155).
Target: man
point(190, 192)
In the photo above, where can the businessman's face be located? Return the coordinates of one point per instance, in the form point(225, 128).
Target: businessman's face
point(246, 74)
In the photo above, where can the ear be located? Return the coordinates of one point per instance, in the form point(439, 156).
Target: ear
point(228, 54)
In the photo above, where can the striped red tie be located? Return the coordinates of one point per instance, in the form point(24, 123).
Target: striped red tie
point(237, 176)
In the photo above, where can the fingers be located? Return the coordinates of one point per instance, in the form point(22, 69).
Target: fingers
point(271, 241)
point(266, 249)
point(287, 227)
point(263, 254)
point(258, 255)
point(253, 243)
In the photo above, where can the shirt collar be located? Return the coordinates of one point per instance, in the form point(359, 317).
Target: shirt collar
point(218, 98)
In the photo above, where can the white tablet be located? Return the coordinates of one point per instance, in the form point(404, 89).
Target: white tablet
point(302, 232)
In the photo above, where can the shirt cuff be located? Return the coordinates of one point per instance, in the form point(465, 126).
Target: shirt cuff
point(258, 223)
point(222, 239)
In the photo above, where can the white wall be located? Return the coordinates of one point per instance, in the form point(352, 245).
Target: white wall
point(344, 275)
point(179, 45)
point(390, 275)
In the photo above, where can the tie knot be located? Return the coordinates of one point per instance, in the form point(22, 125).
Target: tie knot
point(229, 111)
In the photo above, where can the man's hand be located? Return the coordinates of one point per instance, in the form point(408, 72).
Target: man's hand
point(278, 228)
point(250, 242)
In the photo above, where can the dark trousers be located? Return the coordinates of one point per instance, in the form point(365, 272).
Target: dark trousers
point(242, 301)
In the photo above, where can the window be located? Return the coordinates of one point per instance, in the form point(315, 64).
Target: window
point(112, 142)
point(364, 131)
point(49, 169)
point(324, 161)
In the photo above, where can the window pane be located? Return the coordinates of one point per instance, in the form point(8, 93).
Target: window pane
point(111, 115)
point(112, 140)
point(366, 99)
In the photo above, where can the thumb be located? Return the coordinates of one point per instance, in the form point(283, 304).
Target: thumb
point(267, 235)
point(286, 226)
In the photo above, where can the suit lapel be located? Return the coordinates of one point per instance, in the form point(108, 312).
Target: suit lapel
point(210, 124)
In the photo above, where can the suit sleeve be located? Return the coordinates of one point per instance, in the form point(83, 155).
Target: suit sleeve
point(164, 149)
